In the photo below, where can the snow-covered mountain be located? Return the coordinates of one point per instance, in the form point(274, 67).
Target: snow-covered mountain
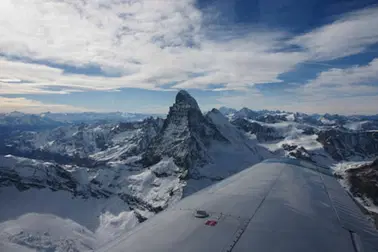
point(88, 182)
point(126, 172)
point(90, 117)
point(16, 122)
point(85, 144)
point(18, 118)
point(186, 135)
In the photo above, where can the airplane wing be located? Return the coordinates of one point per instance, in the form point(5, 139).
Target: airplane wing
point(277, 205)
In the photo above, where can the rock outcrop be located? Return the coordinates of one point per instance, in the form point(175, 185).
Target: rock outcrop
point(363, 181)
point(263, 133)
point(342, 144)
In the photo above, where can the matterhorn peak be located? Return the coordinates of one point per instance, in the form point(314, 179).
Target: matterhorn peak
point(183, 97)
point(186, 122)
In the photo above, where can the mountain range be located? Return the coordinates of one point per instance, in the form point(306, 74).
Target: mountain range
point(74, 181)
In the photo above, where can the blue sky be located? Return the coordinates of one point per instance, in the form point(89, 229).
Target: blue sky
point(133, 55)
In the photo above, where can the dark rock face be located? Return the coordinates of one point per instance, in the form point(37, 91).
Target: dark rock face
point(246, 113)
point(288, 147)
point(271, 118)
point(304, 118)
point(342, 144)
point(309, 131)
point(263, 133)
point(226, 111)
point(47, 175)
point(364, 181)
point(184, 97)
point(301, 153)
point(185, 135)
point(371, 125)
point(25, 174)
point(338, 119)
point(60, 158)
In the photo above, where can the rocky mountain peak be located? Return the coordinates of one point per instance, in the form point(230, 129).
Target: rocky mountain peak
point(184, 98)
point(185, 135)
point(216, 111)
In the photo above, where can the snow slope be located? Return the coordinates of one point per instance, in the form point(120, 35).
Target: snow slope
point(79, 208)
point(46, 220)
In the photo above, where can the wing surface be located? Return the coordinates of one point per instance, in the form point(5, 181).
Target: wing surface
point(277, 205)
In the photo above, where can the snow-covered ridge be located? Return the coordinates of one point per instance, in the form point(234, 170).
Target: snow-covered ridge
point(19, 118)
point(85, 144)
point(79, 206)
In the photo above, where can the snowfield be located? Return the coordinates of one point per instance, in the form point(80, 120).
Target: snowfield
point(44, 220)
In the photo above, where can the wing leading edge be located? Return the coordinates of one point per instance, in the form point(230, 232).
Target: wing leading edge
point(277, 205)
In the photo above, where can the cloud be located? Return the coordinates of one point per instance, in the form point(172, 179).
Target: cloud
point(350, 34)
point(354, 80)
point(170, 45)
point(33, 106)
point(10, 80)
point(349, 90)
point(149, 43)
point(35, 78)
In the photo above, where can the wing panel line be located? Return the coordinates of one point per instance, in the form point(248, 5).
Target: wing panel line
point(244, 227)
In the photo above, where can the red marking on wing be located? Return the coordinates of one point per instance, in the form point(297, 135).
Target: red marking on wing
point(211, 223)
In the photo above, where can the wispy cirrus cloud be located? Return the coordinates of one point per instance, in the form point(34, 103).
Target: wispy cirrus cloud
point(350, 34)
point(349, 81)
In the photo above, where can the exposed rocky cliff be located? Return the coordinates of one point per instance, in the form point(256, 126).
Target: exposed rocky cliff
point(343, 144)
point(185, 135)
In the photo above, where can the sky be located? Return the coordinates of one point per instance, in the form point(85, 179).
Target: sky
point(313, 56)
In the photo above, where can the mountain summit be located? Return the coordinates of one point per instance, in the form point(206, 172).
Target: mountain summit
point(185, 135)
point(185, 98)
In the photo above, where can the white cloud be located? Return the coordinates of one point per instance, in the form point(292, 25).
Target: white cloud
point(351, 34)
point(354, 80)
point(151, 43)
point(36, 78)
point(355, 75)
point(32, 106)
point(351, 90)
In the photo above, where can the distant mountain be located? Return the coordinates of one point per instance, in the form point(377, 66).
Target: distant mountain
point(227, 111)
point(56, 119)
point(90, 117)
point(16, 122)
point(18, 119)
point(84, 144)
